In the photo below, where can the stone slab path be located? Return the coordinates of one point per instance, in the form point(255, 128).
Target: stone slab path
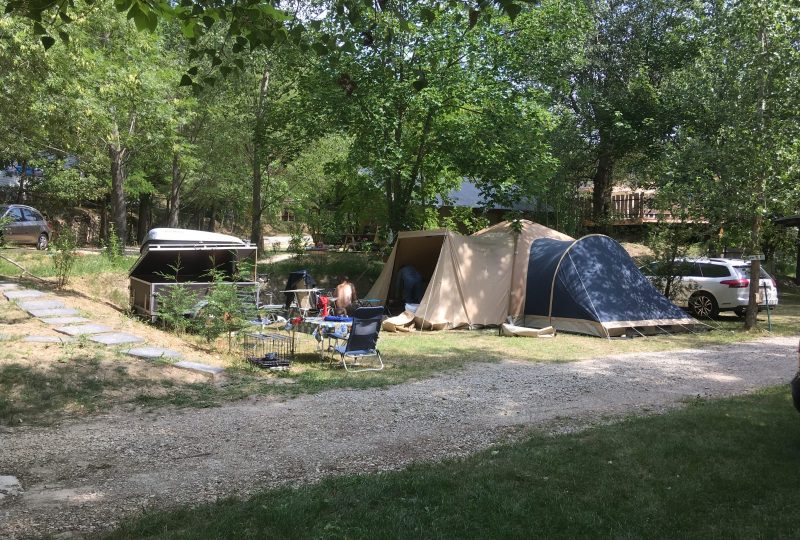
point(64, 320)
point(57, 312)
point(46, 339)
point(41, 304)
point(213, 371)
point(83, 329)
point(22, 293)
point(152, 353)
point(115, 338)
point(84, 476)
point(68, 321)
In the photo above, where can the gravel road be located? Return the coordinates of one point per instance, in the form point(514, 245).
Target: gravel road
point(81, 477)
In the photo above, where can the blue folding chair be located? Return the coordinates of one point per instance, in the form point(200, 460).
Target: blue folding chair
point(363, 339)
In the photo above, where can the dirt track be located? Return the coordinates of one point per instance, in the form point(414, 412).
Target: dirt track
point(85, 476)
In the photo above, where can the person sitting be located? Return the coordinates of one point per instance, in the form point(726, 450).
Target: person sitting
point(345, 295)
point(409, 285)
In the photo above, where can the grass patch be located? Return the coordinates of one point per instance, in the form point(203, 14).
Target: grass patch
point(726, 468)
point(40, 263)
point(362, 268)
point(73, 386)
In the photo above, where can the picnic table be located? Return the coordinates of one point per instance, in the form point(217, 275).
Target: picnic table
point(320, 329)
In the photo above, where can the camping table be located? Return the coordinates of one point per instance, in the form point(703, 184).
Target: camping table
point(318, 327)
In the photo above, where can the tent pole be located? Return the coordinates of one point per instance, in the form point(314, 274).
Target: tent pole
point(596, 314)
point(459, 279)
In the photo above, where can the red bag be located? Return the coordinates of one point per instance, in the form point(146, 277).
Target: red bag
point(322, 304)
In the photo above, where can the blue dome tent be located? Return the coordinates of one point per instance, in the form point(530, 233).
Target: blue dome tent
point(592, 286)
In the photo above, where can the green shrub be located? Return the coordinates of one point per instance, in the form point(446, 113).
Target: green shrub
point(112, 248)
point(65, 247)
point(224, 312)
point(5, 220)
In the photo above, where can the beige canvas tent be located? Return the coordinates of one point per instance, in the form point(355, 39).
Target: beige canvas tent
point(472, 280)
point(529, 232)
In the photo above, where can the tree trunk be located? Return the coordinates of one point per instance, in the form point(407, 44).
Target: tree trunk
point(602, 187)
point(256, 230)
point(759, 189)
point(256, 236)
point(21, 188)
point(751, 317)
point(103, 232)
point(797, 261)
point(143, 225)
point(212, 220)
point(174, 203)
point(119, 209)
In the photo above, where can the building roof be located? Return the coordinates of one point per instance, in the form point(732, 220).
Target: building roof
point(469, 195)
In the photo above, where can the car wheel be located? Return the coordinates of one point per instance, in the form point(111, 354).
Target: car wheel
point(42, 242)
point(703, 306)
point(740, 311)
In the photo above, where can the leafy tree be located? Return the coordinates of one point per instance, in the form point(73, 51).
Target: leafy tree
point(115, 83)
point(736, 161)
point(607, 63)
point(425, 104)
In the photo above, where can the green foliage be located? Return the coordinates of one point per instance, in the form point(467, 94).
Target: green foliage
point(65, 247)
point(464, 219)
point(113, 249)
point(176, 302)
point(668, 243)
point(224, 312)
point(175, 306)
point(4, 220)
point(297, 243)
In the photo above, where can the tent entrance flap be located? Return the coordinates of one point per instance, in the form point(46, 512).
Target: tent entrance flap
point(422, 253)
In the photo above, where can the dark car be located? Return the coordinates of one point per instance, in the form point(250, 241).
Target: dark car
point(26, 226)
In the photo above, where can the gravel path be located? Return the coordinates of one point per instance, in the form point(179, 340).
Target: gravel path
point(84, 476)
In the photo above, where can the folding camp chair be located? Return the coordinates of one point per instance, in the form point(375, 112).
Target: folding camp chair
point(362, 340)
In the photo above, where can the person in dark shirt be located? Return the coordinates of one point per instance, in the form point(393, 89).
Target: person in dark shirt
point(409, 284)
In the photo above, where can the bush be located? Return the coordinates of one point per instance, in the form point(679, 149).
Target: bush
point(112, 248)
point(174, 306)
point(65, 247)
point(224, 312)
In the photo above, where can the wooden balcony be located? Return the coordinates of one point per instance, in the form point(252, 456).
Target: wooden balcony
point(632, 208)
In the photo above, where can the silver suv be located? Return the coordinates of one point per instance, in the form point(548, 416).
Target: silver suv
point(25, 225)
point(707, 286)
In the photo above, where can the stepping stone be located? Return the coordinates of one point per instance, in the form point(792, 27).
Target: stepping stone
point(56, 312)
point(205, 369)
point(152, 352)
point(115, 338)
point(80, 329)
point(23, 293)
point(64, 320)
point(46, 339)
point(41, 304)
point(9, 485)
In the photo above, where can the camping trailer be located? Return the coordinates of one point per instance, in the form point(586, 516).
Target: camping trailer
point(170, 257)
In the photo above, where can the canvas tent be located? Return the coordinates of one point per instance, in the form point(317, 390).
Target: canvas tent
point(471, 280)
point(528, 233)
point(592, 286)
